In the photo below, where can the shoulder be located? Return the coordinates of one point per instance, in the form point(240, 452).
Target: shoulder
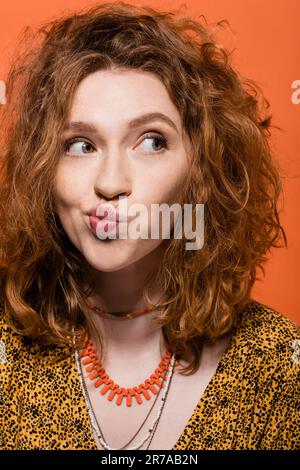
point(28, 370)
point(23, 361)
point(266, 329)
point(268, 345)
point(15, 370)
point(272, 374)
point(16, 348)
point(12, 345)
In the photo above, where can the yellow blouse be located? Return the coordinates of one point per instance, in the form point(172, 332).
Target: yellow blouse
point(251, 402)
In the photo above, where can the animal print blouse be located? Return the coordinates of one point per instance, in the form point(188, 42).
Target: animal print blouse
point(251, 402)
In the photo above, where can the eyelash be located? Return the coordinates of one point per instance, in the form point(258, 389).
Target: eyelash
point(158, 137)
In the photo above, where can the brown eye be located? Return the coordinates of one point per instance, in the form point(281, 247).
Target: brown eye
point(157, 143)
point(78, 146)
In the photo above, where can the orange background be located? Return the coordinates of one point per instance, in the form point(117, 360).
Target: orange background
point(267, 49)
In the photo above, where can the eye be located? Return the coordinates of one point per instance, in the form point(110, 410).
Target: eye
point(78, 144)
point(158, 144)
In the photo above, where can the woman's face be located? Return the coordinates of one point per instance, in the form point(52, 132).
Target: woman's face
point(120, 150)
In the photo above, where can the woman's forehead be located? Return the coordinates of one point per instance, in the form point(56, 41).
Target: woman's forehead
point(124, 94)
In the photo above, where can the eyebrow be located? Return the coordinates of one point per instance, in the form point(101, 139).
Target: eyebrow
point(79, 126)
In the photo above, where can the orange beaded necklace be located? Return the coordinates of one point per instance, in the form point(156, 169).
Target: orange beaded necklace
point(89, 359)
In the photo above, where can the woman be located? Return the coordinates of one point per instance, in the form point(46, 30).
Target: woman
point(111, 341)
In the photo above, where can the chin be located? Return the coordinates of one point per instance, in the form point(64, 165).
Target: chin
point(108, 255)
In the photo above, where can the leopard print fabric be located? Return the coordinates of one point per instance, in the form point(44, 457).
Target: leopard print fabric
point(251, 402)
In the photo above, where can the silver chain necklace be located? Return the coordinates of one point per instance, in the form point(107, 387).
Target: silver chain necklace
point(95, 426)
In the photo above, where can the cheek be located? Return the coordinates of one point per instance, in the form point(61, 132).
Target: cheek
point(68, 187)
point(160, 187)
point(165, 184)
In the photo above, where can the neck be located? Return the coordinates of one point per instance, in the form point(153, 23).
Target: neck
point(122, 291)
point(131, 337)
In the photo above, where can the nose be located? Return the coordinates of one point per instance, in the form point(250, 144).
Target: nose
point(113, 177)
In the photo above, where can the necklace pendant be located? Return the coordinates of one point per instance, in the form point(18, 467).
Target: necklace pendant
point(98, 382)
point(113, 392)
point(122, 393)
point(128, 400)
point(94, 375)
point(143, 389)
point(131, 394)
point(87, 360)
point(137, 395)
point(151, 386)
point(107, 386)
point(159, 383)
